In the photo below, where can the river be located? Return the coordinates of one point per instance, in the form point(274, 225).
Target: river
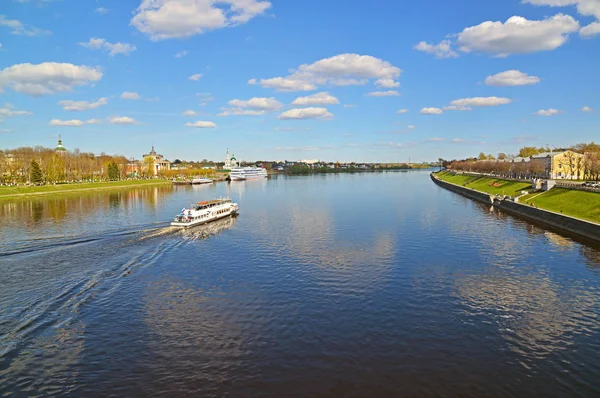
point(374, 284)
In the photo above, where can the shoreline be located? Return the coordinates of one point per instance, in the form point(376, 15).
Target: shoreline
point(560, 222)
point(75, 188)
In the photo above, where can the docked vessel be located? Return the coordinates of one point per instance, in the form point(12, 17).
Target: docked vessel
point(204, 212)
point(247, 173)
point(202, 181)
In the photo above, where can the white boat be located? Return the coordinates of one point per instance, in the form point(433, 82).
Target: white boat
point(202, 181)
point(204, 212)
point(247, 173)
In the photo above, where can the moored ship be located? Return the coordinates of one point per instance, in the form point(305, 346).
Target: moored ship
point(204, 212)
point(247, 173)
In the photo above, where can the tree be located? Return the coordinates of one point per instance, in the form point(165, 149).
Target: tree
point(55, 170)
point(35, 173)
point(528, 151)
point(491, 157)
point(482, 156)
point(501, 156)
point(113, 171)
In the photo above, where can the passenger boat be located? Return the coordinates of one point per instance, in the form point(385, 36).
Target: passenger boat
point(204, 212)
point(202, 181)
point(247, 173)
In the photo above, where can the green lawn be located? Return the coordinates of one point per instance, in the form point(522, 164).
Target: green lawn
point(13, 192)
point(485, 184)
point(458, 179)
point(579, 204)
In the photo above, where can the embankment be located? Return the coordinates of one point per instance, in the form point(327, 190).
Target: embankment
point(556, 221)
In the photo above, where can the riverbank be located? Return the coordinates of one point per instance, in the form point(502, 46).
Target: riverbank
point(560, 221)
point(9, 193)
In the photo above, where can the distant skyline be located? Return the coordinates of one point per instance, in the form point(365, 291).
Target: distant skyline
point(376, 81)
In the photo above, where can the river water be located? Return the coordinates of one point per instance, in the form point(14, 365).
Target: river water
point(336, 285)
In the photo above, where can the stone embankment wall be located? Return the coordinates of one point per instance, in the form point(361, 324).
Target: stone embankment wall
point(585, 229)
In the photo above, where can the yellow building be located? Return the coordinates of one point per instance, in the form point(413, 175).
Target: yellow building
point(156, 162)
point(561, 165)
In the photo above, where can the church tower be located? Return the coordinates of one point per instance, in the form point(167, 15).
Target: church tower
point(60, 149)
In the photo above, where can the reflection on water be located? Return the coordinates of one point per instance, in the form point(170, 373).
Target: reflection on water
point(335, 285)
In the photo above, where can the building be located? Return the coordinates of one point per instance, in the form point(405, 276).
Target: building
point(157, 162)
point(60, 149)
point(230, 161)
point(561, 165)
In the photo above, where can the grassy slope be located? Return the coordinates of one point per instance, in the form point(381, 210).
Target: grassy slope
point(579, 204)
point(12, 192)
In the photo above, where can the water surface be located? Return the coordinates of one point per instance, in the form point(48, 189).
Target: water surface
point(337, 285)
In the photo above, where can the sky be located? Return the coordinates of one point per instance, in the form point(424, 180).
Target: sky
point(336, 80)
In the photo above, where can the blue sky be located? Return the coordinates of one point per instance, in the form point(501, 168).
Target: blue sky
point(332, 80)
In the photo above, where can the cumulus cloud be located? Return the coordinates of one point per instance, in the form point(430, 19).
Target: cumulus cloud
point(189, 113)
point(19, 28)
point(401, 111)
point(431, 111)
point(456, 108)
point(591, 30)
point(66, 123)
point(201, 124)
point(339, 70)
point(196, 77)
point(47, 78)
point(436, 139)
point(586, 109)
point(386, 83)
point(182, 54)
point(122, 120)
point(127, 95)
point(481, 101)
point(306, 113)
point(170, 19)
point(101, 10)
point(441, 50)
point(511, 78)
point(69, 105)
point(9, 111)
point(253, 106)
point(389, 93)
point(517, 35)
point(547, 112)
point(584, 7)
point(284, 84)
point(112, 48)
point(410, 127)
point(323, 98)
point(93, 121)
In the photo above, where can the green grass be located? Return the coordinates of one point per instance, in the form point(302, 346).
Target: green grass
point(15, 192)
point(485, 184)
point(579, 204)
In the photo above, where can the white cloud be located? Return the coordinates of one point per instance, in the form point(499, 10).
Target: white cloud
point(481, 101)
point(201, 124)
point(586, 109)
point(196, 77)
point(254, 106)
point(130, 96)
point(47, 77)
point(101, 10)
point(240, 112)
point(66, 123)
point(339, 70)
point(441, 50)
point(547, 112)
point(431, 111)
point(306, 113)
point(93, 121)
point(349, 106)
point(590, 30)
point(182, 54)
point(190, 113)
point(584, 7)
point(386, 83)
point(456, 108)
point(19, 28)
point(284, 84)
point(410, 127)
point(517, 35)
point(289, 129)
point(401, 111)
point(69, 105)
point(511, 78)
point(323, 98)
point(9, 111)
point(112, 48)
point(389, 93)
point(435, 139)
point(169, 19)
point(122, 120)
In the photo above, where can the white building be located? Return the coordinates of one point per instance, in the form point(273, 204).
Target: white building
point(230, 161)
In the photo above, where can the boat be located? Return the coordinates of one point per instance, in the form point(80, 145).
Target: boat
point(202, 181)
point(205, 212)
point(247, 173)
